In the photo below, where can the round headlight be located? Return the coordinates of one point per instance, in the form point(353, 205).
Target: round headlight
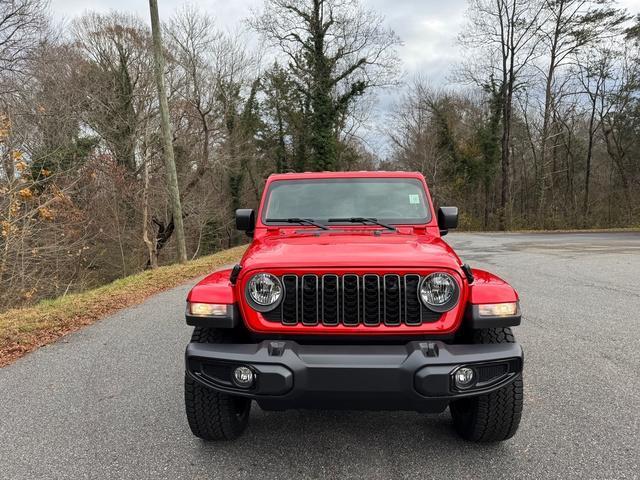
point(439, 292)
point(264, 292)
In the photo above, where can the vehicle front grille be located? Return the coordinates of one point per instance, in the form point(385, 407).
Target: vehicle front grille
point(351, 300)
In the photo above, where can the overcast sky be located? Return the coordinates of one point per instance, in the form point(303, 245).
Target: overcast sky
point(428, 28)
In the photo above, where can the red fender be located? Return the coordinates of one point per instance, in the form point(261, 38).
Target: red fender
point(215, 288)
point(489, 288)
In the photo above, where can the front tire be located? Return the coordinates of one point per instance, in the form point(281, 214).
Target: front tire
point(493, 417)
point(213, 415)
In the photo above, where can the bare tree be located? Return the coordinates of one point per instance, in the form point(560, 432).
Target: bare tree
point(570, 26)
point(116, 78)
point(208, 63)
point(501, 41)
point(21, 25)
point(620, 119)
point(592, 70)
point(192, 39)
point(336, 51)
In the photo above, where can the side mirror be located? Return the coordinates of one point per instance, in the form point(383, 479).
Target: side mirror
point(447, 218)
point(246, 220)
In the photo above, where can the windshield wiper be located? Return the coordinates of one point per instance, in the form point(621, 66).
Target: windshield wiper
point(365, 220)
point(302, 221)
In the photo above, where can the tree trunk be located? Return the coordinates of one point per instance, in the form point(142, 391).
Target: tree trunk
point(548, 100)
point(169, 160)
point(162, 236)
point(323, 112)
point(487, 193)
point(507, 108)
point(281, 155)
point(617, 154)
point(151, 246)
point(506, 167)
point(585, 205)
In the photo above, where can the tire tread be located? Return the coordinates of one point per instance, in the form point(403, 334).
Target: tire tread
point(495, 416)
point(212, 415)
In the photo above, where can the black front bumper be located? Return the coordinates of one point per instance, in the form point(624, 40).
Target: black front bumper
point(415, 376)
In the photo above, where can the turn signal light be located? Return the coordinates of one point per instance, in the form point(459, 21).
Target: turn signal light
point(498, 309)
point(207, 309)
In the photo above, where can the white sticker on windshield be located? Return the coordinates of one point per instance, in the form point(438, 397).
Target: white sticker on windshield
point(414, 199)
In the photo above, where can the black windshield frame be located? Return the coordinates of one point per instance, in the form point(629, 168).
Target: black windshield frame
point(393, 221)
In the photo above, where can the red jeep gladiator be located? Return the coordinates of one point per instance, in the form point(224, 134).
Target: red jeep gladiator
point(349, 298)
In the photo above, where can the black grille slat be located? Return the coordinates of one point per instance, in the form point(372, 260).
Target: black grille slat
point(371, 300)
point(350, 297)
point(392, 300)
point(309, 308)
point(412, 304)
point(290, 302)
point(330, 295)
point(352, 300)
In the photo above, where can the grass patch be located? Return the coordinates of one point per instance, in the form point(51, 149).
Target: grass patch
point(22, 330)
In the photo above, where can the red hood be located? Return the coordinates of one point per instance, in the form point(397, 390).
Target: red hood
point(349, 249)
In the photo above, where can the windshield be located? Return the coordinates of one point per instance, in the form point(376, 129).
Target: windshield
point(390, 200)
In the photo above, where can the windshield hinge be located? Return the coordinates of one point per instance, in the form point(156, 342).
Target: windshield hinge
point(234, 274)
point(467, 272)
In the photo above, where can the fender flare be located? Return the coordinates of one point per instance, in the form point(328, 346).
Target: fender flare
point(215, 288)
point(489, 288)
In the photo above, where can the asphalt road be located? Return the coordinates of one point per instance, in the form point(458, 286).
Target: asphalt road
point(106, 402)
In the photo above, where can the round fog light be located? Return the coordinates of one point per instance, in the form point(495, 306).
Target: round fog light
point(243, 377)
point(464, 377)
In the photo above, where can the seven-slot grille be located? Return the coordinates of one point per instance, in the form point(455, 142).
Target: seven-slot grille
point(351, 300)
